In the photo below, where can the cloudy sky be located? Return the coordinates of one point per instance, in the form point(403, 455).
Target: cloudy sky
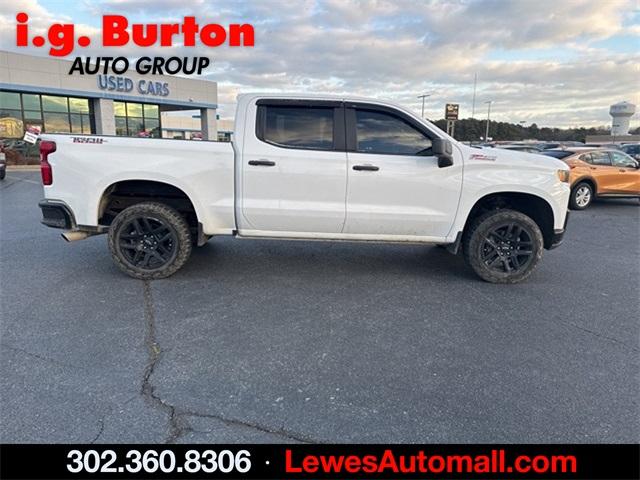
point(553, 62)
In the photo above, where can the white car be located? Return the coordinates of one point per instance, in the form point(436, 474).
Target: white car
point(307, 167)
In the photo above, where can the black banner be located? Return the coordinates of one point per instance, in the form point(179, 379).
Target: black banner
point(320, 461)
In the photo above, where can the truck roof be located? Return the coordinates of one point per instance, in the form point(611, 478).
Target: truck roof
point(316, 96)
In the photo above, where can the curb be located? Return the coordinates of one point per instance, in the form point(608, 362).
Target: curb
point(23, 168)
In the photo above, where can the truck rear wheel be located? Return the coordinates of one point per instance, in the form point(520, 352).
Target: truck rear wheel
point(149, 241)
point(503, 246)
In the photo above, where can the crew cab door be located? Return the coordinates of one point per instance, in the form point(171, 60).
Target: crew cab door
point(395, 186)
point(293, 168)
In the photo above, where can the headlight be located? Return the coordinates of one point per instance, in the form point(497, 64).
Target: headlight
point(563, 175)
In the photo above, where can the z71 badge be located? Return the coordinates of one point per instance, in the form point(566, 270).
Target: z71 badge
point(480, 156)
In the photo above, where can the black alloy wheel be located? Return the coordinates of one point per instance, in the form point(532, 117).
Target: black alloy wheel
point(150, 240)
point(503, 246)
point(508, 248)
point(147, 242)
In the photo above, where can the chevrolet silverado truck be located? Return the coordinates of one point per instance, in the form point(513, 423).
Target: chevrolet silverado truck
point(307, 167)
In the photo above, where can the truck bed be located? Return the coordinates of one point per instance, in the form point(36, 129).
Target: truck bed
point(85, 166)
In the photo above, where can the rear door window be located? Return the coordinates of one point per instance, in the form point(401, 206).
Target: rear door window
point(600, 158)
point(299, 127)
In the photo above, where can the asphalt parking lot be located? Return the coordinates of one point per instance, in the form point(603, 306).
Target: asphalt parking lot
point(269, 341)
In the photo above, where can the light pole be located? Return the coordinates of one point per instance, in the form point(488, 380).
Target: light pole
point(473, 102)
point(423, 97)
point(486, 132)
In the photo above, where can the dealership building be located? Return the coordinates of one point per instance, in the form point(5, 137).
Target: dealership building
point(39, 92)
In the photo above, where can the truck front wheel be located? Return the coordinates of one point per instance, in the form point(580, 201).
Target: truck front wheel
point(503, 246)
point(149, 241)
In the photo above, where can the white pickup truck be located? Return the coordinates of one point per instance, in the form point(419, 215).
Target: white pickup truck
point(304, 167)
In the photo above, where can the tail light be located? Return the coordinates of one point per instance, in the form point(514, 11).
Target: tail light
point(46, 148)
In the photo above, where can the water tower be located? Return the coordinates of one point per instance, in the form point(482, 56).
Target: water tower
point(621, 113)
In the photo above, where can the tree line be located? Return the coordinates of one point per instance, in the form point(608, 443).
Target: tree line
point(471, 129)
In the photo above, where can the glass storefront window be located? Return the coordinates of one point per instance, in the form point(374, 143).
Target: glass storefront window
point(120, 109)
point(52, 113)
point(32, 116)
point(56, 123)
point(11, 124)
point(152, 127)
point(10, 100)
point(134, 109)
point(151, 111)
point(51, 103)
point(121, 126)
point(136, 125)
point(137, 119)
point(30, 102)
point(80, 123)
point(78, 105)
point(76, 123)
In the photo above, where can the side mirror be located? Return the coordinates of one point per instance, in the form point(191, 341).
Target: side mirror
point(443, 149)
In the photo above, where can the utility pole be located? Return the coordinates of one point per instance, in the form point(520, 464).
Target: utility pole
point(473, 102)
point(423, 97)
point(486, 133)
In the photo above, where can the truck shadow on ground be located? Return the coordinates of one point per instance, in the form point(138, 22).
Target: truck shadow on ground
point(227, 256)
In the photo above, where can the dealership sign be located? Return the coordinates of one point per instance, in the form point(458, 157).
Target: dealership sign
point(451, 111)
point(125, 85)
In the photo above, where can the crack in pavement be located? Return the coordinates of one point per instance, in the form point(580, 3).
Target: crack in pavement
point(102, 420)
point(100, 430)
point(52, 361)
point(176, 427)
point(602, 335)
point(281, 432)
point(178, 424)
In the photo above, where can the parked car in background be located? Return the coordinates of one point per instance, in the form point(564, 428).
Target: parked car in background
point(3, 163)
point(610, 146)
point(631, 149)
point(597, 172)
point(520, 148)
point(551, 145)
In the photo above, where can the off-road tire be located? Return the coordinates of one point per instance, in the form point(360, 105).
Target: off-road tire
point(574, 201)
point(482, 230)
point(160, 214)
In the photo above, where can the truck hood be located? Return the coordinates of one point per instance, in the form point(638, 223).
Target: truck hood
point(513, 157)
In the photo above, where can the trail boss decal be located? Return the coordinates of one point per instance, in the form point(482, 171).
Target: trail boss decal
point(88, 140)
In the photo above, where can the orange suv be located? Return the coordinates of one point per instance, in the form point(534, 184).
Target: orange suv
point(598, 172)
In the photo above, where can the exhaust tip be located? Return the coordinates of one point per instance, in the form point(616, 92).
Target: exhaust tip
point(73, 236)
